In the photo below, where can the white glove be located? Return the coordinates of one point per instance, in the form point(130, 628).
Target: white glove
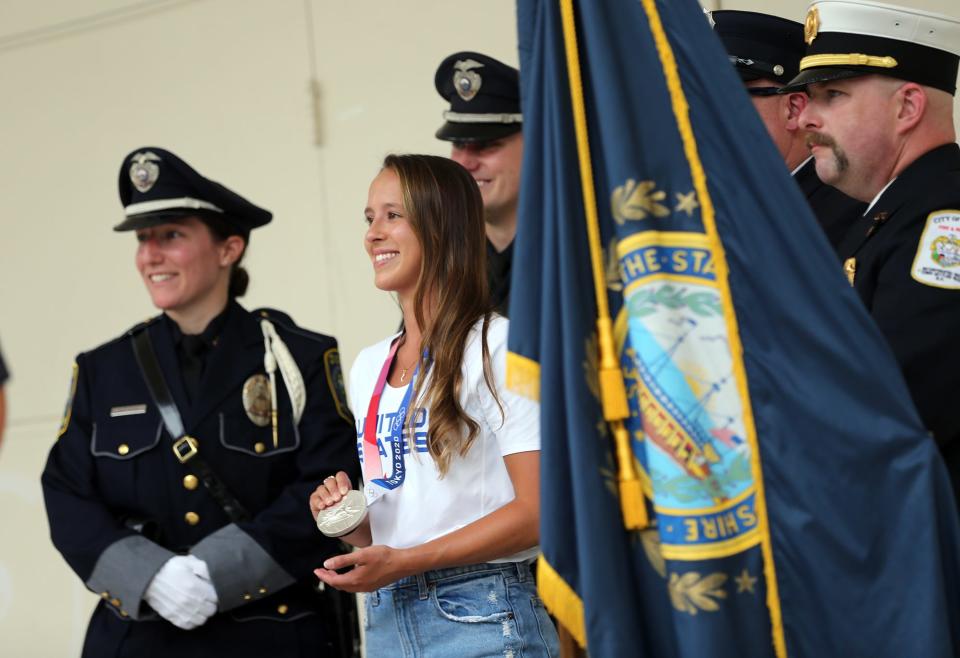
point(181, 592)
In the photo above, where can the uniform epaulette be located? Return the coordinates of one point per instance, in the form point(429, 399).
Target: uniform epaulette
point(141, 325)
point(281, 319)
point(129, 332)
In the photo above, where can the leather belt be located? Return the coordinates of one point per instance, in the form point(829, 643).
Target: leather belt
point(185, 447)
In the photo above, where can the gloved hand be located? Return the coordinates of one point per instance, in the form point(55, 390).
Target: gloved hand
point(181, 592)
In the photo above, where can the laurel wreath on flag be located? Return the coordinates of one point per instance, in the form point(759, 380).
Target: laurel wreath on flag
point(692, 593)
point(646, 301)
point(636, 201)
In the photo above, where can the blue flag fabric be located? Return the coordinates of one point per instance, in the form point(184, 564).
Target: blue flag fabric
point(793, 503)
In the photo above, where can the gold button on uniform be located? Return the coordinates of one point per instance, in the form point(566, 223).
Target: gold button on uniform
point(262, 590)
point(123, 448)
point(259, 447)
point(192, 518)
point(124, 613)
point(246, 597)
point(282, 609)
point(190, 482)
point(105, 595)
point(115, 603)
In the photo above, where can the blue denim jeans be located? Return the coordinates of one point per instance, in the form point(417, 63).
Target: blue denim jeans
point(479, 610)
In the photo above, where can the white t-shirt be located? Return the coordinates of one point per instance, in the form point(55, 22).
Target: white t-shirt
point(427, 506)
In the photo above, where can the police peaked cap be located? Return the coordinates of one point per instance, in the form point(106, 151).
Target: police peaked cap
point(484, 97)
point(849, 38)
point(158, 187)
point(760, 45)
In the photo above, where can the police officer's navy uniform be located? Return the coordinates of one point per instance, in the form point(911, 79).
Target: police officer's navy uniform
point(903, 255)
point(762, 46)
point(484, 96)
point(121, 503)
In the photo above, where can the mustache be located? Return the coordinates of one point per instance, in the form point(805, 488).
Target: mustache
point(818, 139)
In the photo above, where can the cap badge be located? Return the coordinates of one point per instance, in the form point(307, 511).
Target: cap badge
point(811, 25)
point(778, 70)
point(465, 80)
point(144, 171)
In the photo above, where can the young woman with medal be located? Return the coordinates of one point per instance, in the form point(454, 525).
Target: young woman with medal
point(175, 487)
point(450, 456)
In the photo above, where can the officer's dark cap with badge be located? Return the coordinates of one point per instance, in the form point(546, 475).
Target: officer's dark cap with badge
point(484, 97)
point(847, 39)
point(157, 187)
point(760, 46)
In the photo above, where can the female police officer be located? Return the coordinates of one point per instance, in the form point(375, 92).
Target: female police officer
point(190, 444)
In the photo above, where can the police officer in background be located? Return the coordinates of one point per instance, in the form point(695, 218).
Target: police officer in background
point(484, 125)
point(881, 81)
point(766, 52)
point(176, 488)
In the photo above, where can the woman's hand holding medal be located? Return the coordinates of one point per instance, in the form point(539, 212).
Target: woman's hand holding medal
point(340, 510)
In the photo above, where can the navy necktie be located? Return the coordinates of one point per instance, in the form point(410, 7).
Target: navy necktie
point(193, 350)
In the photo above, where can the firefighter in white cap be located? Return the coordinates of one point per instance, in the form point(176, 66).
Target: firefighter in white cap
point(881, 81)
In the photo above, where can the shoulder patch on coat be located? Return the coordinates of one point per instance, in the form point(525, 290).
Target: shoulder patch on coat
point(331, 364)
point(937, 262)
point(68, 409)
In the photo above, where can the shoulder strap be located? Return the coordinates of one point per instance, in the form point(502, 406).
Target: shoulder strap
point(153, 376)
point(185, 447)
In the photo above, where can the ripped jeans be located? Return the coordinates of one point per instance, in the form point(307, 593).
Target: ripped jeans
point(480, 610)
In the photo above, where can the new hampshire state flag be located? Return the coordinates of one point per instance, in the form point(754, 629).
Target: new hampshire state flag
point(731, 462)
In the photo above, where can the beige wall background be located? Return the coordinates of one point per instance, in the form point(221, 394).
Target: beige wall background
point(293, 103)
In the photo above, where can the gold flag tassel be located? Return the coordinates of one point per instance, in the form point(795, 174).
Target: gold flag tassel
point(613, 395)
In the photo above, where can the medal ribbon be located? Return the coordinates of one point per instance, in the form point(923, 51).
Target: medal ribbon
point(372, 469)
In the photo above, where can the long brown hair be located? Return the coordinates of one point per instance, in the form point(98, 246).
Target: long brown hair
point(445, 211)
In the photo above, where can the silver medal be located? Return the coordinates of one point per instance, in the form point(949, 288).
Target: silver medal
point(344, 517)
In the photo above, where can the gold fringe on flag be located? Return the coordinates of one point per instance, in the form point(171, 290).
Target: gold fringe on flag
point(523, 376)
point(560, 599)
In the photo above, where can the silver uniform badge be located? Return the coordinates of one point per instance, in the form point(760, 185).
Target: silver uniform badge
point(256, 399)
point(344, 517)
point(144, 170)
point(466, 81)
